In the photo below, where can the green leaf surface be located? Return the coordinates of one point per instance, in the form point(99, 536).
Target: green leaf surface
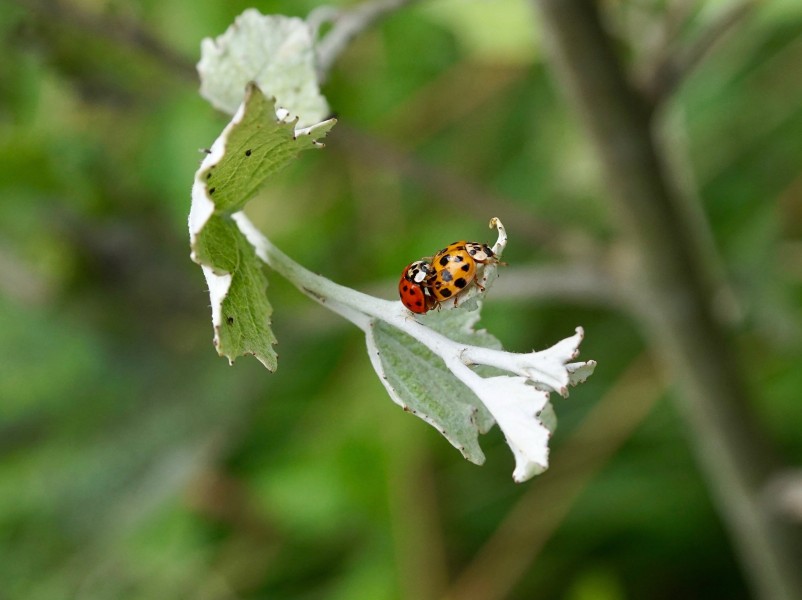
point(418, 380)
point(275, 52)
point(252, 147)
point(244, 323)
point(256, 146)
point(459, 325)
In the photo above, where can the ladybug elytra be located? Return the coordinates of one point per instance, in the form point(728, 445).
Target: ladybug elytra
point(414, 287)
point(424, 285)
point(455, 268)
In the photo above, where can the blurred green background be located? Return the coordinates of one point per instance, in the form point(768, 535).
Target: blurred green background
point(135, 463)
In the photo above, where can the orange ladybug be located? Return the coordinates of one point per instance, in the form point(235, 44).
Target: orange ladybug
point(455, 268)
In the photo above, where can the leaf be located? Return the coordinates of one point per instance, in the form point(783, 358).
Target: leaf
point(252, 147)
point(275, 52)
point(238, 288)
point(419, 382)
point(518, 407)
point(458, 325)
point(461, 402)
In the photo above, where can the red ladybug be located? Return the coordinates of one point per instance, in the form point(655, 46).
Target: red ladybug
point(414, 287)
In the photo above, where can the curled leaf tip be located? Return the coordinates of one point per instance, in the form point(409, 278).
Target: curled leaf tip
point(501, 242)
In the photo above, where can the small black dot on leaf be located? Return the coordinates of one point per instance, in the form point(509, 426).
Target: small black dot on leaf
point(211, 190)
point(247, 152)
point(230, 320)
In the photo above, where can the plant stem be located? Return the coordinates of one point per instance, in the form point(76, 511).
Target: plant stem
point(684, 329)
point(546, 367)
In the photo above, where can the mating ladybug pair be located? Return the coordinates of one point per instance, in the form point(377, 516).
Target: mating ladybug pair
point(425, 284)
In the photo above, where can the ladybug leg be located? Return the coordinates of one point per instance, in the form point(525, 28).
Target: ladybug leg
point(491, 261)
point(431, 302)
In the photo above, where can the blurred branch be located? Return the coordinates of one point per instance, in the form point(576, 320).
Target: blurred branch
point(20, 282)
point(449, 98)
point(346, 25)
point(677, 61)
point(417, 534)
point(124, 32)
point(783, 493)
point(254, 540)
point(505, 557)
point(450, 186)
point(578, 284)
point(680, 320)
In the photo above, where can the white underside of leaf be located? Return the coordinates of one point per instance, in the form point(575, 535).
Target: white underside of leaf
point(218, 290)
point(202, 207)
point(516, 405)
point(275, 52)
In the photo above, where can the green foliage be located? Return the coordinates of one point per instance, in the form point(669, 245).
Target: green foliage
point(417, 380)
point(254, 146)
point(245, 310)
point(135, 464)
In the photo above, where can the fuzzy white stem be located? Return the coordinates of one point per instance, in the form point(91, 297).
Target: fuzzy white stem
point(360, 308)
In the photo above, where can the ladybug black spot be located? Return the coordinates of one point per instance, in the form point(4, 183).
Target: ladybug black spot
point(418, 303)
point(406, 288)
point(460, 247)
point(460, 283)
point(446, 293)
point(458, 258)
point(466, 267)
point(443, 261)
